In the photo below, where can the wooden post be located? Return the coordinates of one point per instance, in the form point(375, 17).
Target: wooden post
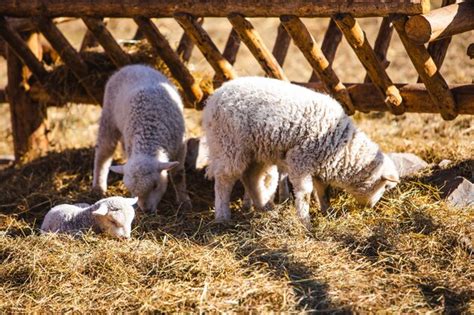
point(359, 43)
point(186, 45)
point(69, 55)
point(205, 44)
point(426, 68)
point(191, 89)
point(231, 47)
point(381, 44)
point(254, 42)
point(98, 29)
point(308, 46)
point(441, 23)
point(282, 43)
point(332, 39)
point(210, 8)
point(28, 118)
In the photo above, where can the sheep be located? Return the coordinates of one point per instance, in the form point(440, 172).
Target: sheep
point(144, 111)
point(113, 216)
point(254, 123)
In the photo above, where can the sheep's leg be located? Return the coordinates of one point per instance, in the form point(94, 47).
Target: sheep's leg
point(107, 140)
point(302, 186)
point(260, 182)
point(321, 192)
point(283, 188)
point(178, 177)
point(223, 188)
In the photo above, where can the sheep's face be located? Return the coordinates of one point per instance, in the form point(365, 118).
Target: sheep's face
point(384, 178)
point(114, 216)
point(148, 180)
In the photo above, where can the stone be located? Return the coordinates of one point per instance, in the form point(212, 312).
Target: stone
point(444, 163)
point(407, 164)
point(459, 192)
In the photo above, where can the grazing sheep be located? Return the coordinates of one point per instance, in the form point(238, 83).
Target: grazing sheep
point(143, 109)
point(253, 123)
point(113, 216)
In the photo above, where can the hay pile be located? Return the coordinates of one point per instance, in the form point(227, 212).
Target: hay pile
point(409, 254)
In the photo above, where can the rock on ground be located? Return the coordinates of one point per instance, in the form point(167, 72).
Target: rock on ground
point(459, 192)
point(407, 164)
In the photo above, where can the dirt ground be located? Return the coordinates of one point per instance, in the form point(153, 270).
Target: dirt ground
point(411, 253)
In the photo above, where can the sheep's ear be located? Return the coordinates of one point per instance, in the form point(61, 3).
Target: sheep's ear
point(391, 178)
point(166, 166)
point(102, 210)
point(117, 169)
point(132, 201)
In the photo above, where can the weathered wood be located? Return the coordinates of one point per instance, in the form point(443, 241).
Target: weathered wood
point(381, 43)
point(186, 44)
point(441, 23)
point(88, 41)
point(192, 91)
point(98, 29)
point(332, 39)
point(28, 118)
point(358, 41)
point(205, 44)
point(308, 46)
point(26, 25)
point(19, 47)
point(3, 96)
point(211, 8)
point(364, 97)
point(282, 43)
point(232, 47)
point(416, 98)
point(69, 55)
point(254, 42)
point(429, 73)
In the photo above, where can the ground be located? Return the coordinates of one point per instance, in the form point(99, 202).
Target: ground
point(411, 253)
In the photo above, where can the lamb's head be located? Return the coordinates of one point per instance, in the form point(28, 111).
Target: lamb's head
point(383, 176)
point(146, 178)
point(114, 215)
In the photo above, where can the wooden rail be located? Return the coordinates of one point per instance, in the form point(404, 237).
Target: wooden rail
point(211, 8)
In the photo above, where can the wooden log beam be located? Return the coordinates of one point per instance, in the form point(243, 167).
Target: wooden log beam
point(429, 73)
point(28, 118)
point(310, 49)
point(192, 91)
point(98, 29)
point(358, 41)
point(332, 39)
point(254, 42)
point(441, 23)
point(232, 47)
point(381, 43)
point(211, 8)
point(69, 55)
point(205, 44)
point(21, 50)
point(186, 44)
point(282, 43)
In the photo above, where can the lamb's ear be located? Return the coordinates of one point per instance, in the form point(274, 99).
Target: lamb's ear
point(102, 210)
point(132, 201)
point(391, 178)
point(166, 166)
point(117, 169)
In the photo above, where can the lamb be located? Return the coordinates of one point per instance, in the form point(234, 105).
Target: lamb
point(254, 123)
point(113, 216)
point(144, 110)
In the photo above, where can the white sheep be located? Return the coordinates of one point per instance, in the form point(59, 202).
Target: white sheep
point(113, 216)
point(143, 109)
point(254, 123)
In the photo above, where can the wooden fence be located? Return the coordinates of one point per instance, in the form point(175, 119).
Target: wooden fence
point(30, 92)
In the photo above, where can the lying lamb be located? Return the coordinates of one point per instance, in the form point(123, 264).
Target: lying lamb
point(253, 123)
point(112, 216)
point(144, 110)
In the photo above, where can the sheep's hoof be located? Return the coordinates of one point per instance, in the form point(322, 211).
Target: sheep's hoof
point(307, 223)
point(97, 190)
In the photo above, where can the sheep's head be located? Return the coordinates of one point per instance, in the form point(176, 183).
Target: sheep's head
point(147, 179)
point(114, 216)
point(384, 176)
